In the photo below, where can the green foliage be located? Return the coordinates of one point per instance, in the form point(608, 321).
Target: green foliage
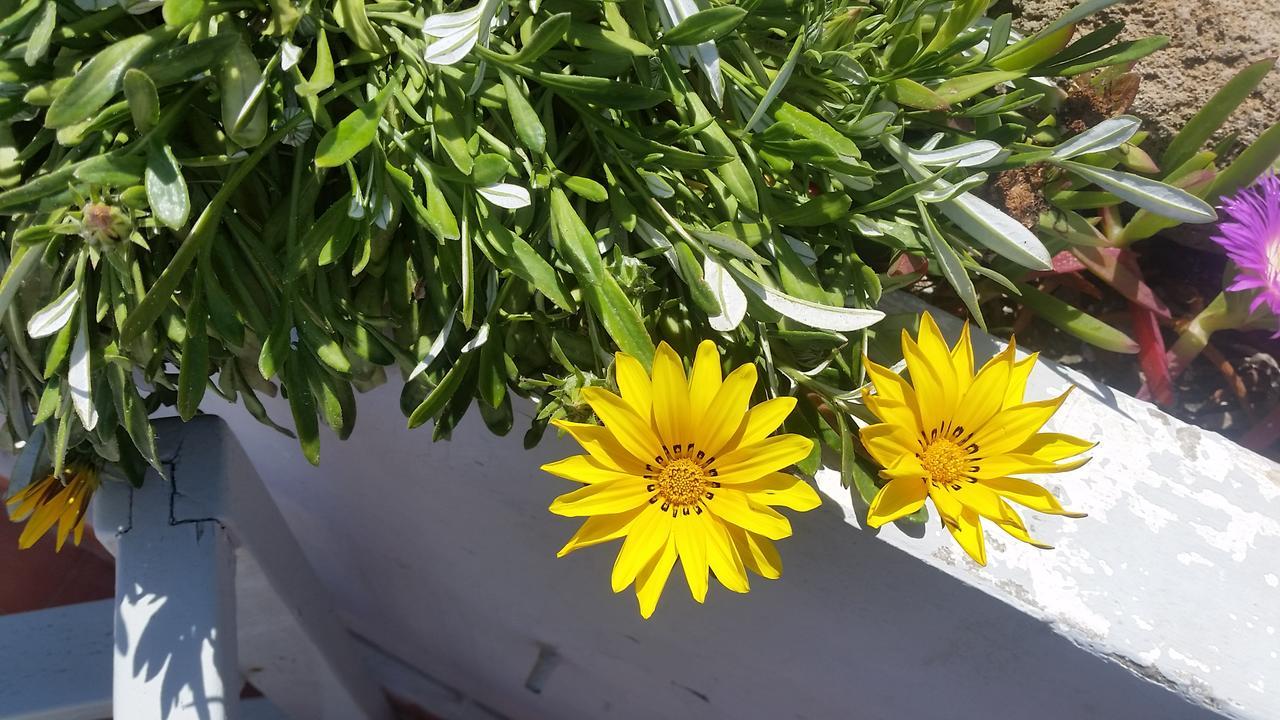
point(306, 197)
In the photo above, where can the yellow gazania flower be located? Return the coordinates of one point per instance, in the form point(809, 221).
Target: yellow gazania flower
point(52, 499)
point(682, 468)
point(959, 439)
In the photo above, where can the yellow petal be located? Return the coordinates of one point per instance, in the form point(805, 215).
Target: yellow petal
point(634, 384)
point(1012, 524)
point(599, 529)
point(929, 363)
point(887, 443)
point(980, 499)
point(756, 461)
point(907, 467)
point(763, 419)
point(781, 490)
point(1018, 380)
point(897, 499)
point(967, 531)
point(962, 361)
point(1025, 492)
point(736, 508)
point(603, 498)
point(670, 398)
point(1052, 447)
point(603, 446)
point(723, 557)
point(757, 553)
point(1013, 426)
point(704, 381)
point(1015, 464)
point(645, 539)
point(985, 395)
point(584, 469)
point(690, 535)
point(889, 384)
point(893, 412)
point(724, 415)
point(632, 432)
point(653, 577)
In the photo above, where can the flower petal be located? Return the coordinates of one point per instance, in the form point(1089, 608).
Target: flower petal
point(1052, 447)
point(782, 490)
point(646, 537)
point(1013, 426)
point(690, 536)
point(724, 416)
point(887, 443)
point(634, 384)
point(1015, 464)
point(704, 381)
point(967, 530)
point(736, 508)
point(897, 499)
point(599, 529)
point(764, 419)
point(632, 432)
point(723, 557)
point(584, 469)
point(962, 361)
point(653, 577)
point(670, 398)
point(756, 461)
point(1025, 492)
point(442, 24)
point(453, 47)
point(929, 363)
point(603, 498)
point(986, 394)
point(757, 553)
point(888, 384)
point(603, 446)
point(1018, 377)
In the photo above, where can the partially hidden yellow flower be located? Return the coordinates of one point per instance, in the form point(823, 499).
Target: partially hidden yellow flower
point(55, 500)
point(958, 439)
point(683, 468)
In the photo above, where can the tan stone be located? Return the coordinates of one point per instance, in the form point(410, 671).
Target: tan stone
point(1211, 40)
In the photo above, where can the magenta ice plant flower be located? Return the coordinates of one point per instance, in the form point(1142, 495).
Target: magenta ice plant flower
point(1250, 233)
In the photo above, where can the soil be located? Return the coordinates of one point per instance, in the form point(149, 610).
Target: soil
point(1210, 41)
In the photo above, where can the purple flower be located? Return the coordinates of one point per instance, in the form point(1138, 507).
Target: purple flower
point(1250, 233)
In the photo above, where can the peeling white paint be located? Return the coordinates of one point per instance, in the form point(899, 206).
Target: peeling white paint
point(1271, 579)
point(1187, 558)
point(1188, 660)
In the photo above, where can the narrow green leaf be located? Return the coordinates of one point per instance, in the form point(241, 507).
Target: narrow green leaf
point(41, 33)
point(143, 99)
point(906, 91)
point(302, 404)
point(821, 210)
point(545, 37)
point(353, 133)
point(1151, 195)
point(952, 269)
point(99, 79)
point(1252, 162)
point(322, 75)
point(966, 86)
point(524, 118)
point(166, 189)
point(244, 114)
point(442, 393)
point(705, 26)
point(1075, 321)
point(181, 13)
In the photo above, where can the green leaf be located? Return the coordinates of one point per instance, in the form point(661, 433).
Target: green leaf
point(1204, 123)
point(1151, 195)
point(906, 91)
point(302, 404)
point(729, 244)
point(705, 26)
point(353, 133)
point(517, 256)
point(1108, 134)
point(26, 258)
point(1251, 163)
point(442, 393)
point(1075, 321)
point(181, 13)
point(41, 33)
point(244, 114)
point(143, 99)
point(545, 37)
point(952, 268)
point(1124, 52)
point(821, 210)
point(322, 75)
point(179, 64)
point(99, 79)
point(354, 21)
point(133, 414)
point(601, 91)
point(966, 86)
point(193, 371)
point(524, 118)
point(166, 189)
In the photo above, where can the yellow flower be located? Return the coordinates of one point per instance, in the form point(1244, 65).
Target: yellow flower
point(958, 439)
point(683, 468)
point(61, 500)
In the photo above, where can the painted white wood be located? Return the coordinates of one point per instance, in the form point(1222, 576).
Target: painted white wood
point(211, 538)
point(55, 664)
point(442, 556)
